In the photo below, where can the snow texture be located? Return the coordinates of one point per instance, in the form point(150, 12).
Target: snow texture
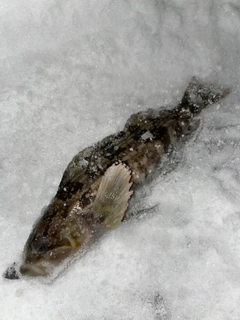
point(71, 73)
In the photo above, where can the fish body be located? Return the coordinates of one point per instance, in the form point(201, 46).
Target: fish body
point(95, 188)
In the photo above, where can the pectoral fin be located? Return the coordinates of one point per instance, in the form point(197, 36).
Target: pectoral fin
point(112, 197)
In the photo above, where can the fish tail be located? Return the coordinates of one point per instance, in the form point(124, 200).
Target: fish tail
point(199, 95)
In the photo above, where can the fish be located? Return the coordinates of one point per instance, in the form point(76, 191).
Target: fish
point(96, 186)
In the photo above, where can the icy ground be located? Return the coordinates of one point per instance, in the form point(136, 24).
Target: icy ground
point(72, 72)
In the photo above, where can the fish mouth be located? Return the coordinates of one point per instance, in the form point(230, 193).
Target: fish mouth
point(42, 268)
point(33, 266)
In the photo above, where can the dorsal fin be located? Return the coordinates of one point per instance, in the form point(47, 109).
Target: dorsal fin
point(112, 197)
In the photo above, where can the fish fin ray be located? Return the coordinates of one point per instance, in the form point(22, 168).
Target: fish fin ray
point(112, 197)
point(140, 213)
point(193, 129)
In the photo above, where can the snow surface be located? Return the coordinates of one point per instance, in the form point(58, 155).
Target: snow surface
point(72, 72)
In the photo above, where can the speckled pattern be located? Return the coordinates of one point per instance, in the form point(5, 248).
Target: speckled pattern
point(144, 145)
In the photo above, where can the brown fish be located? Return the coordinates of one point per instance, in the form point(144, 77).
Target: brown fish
point(95, 188)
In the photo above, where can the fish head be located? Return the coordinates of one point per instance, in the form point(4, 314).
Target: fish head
point(41, 256)
point(67, 226)
point(54, 239)
point(43, 264)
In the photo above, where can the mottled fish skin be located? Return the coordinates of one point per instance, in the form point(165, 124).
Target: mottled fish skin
point(147, 139)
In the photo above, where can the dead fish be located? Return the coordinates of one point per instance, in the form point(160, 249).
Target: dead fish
point(93, 194)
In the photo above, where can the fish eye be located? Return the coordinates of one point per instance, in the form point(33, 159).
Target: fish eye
point(40, 244)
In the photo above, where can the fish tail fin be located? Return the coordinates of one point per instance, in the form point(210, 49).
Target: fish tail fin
point(112, 197)
point(199, 95)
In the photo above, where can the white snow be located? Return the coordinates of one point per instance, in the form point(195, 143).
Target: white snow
point(72, 72)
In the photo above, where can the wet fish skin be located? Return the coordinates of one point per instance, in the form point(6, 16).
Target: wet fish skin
point(58, 236)
point(146, 142)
